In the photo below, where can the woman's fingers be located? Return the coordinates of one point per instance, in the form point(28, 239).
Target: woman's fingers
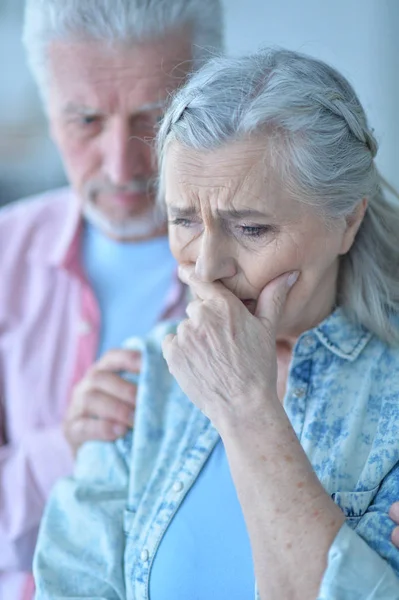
point(395, 537)
point(272, 299)
point(193, 309)
point(203, 290)
point(166, 345)
point(270, 303)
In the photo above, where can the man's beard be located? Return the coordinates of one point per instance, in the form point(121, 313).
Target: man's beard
point(142, 226)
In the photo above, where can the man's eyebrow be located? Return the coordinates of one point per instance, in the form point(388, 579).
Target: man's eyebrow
point(72, 108)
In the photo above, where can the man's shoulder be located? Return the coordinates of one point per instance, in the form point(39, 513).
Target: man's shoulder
point(29, 211)
point(36, 221)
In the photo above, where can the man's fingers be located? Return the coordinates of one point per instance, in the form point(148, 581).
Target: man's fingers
point(119, 360)
point(102, 406)
point(272, 298)
point(87, 429)
point(111, 384)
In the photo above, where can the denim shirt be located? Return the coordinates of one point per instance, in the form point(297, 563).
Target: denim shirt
point(102, 527)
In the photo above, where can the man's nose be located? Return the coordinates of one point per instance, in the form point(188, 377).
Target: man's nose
point(215, 260)
point(123, 155)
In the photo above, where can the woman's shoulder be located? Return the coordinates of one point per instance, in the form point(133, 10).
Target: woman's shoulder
point(358, 348)
point(384, 359)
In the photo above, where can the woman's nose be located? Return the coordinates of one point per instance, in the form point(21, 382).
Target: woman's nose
point(214, 261)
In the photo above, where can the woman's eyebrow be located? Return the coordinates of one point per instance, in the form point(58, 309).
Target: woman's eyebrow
point(231, 213)
point(247, 213)
point(178, 211)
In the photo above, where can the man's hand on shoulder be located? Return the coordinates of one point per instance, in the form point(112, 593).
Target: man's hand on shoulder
point(103, 403)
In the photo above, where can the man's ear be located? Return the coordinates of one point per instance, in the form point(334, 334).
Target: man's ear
point(353, 222)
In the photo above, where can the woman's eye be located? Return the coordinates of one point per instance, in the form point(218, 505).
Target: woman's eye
point(181, 222)
point(254, 231)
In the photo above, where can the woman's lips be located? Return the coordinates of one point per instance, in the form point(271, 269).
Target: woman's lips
point(250, 304)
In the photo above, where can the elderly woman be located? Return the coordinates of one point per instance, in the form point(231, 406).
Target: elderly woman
point(264, 455)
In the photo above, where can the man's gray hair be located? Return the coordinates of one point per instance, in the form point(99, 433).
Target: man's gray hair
point(118, 21)
point(319, 139)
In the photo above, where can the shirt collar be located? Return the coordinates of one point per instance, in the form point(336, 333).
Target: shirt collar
point(343, 336)
point(57, 237)
point(59, 245)
point(66, 248)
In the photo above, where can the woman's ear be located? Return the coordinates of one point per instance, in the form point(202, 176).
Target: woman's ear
point(353, 222)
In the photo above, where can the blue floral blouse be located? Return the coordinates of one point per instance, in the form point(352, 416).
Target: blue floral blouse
point(102, 527)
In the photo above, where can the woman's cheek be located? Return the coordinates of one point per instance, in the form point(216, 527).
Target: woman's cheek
point(273, 264)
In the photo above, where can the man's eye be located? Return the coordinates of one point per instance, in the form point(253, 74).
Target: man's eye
point(88, 120)
point(254, 231)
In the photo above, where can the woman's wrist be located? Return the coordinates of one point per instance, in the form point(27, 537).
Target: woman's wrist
point(254, 418)
point(266, 451)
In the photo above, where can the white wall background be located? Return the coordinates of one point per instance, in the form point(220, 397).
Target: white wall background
point(29, 162)
point(358, 37)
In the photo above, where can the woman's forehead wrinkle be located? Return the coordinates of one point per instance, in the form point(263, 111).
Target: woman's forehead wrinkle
point(224, 192)
point(236, 158)
point(233, 177)
point(201, 187)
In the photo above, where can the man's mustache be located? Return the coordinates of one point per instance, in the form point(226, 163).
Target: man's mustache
point(135, 186)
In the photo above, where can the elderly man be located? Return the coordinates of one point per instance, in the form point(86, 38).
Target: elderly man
point(84, 267)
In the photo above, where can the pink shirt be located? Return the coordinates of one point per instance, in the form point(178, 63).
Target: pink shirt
point(49, 329)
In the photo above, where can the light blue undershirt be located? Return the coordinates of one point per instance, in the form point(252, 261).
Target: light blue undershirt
point(205, 553)
point(131, 282)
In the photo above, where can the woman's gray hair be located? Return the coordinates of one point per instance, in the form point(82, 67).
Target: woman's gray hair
point(118, 21)
point(319, 140)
